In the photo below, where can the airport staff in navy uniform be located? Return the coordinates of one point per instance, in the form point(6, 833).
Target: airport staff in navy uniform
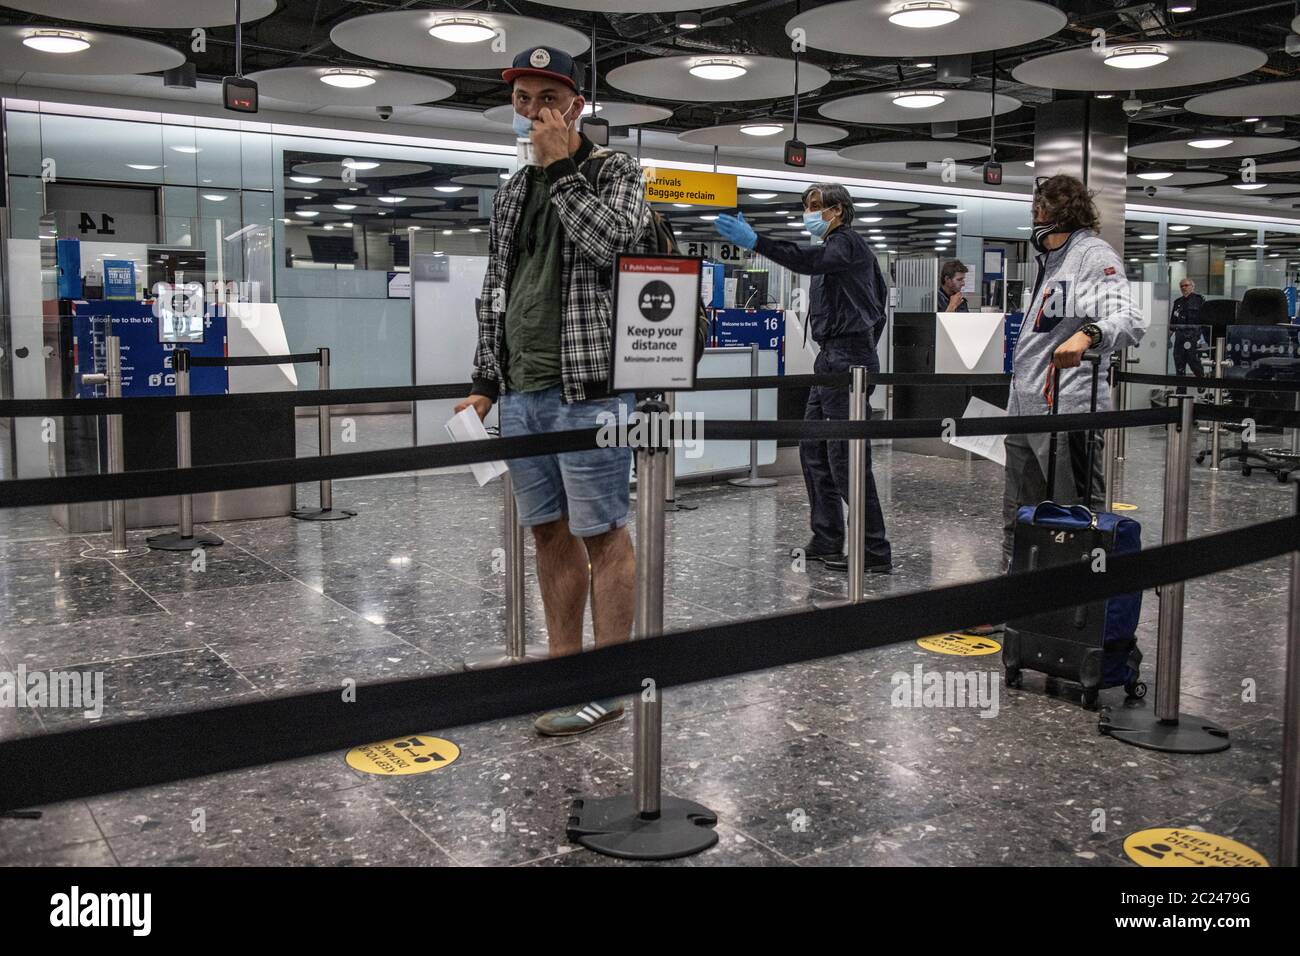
point(1184, 328)
point(846, 314)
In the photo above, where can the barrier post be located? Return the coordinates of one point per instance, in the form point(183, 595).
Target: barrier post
point(1110, 461)
point(326, 511)
point(645, 825)
point(1219, 362)
point(111, 377)
point(1121, 446)
point(517, 649)
point(183, 539)
point(670, 488)
point(752, 480)
point(857, 538)
point(1289, 831)
point(1163, 728)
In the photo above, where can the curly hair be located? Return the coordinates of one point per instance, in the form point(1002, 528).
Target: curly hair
point(1067, 202)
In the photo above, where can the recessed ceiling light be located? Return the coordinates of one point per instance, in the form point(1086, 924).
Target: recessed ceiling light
point(1259, 245)
point(347, 79)
point(449, 189)
point(762, 195)
point(475, 229)
point(940, 243)
point(415, 228)
point(1105, 96)
point(1251, 119)
point(923, 64)
point(344, 206)
point(1249, 185)
point(762, 129)
point(1155, 176)
point(56, 41)
point(344, 225)
point(866, 205)
point(189, 150)
point(1149, 235)
point(328, 227)
point(1241, 234)
point(1182, 6)
point(392, 199)
point(708, 218)
point(305, 180)
point(877, 229)
point(503, 175)
point(923, 14)
point(718, 68)
point(359, 164)
point(957, 209)
point(1136, 56)
point(869, 218)
point(309, 213)
point(461, 30)
point(881, 245)
point(1023, 228)
point(682, 205)
point(951, 224)
point(947, 233)
point(142, 166)
point(1179, 228)
point(918, 99)
point(214, 197)
point(1208, 143)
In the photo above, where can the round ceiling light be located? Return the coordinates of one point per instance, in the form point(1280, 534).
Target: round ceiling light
point(305, 180)
point(1209, 143)
point(918, 99)
point(347, 79)
point(462, 30)
point(1136, 56)
point(1154, 177)
point(448, 189)
point(56, 41)
point(392, 199)
point(344, 206)
point(358, 164)
point(309, 213)
point(215, 197)
point(762, 195)
point(1249, 185)
point(923, 15)
point(1179, 228)
point(761, 129)
point(718, 68)
point(141, 166)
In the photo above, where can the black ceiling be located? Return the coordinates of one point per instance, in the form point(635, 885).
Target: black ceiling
point(298, 34)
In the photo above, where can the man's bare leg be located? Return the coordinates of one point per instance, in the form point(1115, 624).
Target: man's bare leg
point(562, 574)
point(613, 585)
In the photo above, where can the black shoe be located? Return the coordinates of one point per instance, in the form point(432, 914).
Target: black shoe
point(811, 552)
point(841, 563)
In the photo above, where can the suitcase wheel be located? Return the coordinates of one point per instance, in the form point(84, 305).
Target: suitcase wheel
point(1013, 677)
point(1090, 698)
point(1136, 689)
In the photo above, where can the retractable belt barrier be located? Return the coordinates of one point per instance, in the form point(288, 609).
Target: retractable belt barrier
point(234, 361)
point(1282, 417)
point(103, 758)
point(158, 482)
point(1227, 384)
point(54, 407)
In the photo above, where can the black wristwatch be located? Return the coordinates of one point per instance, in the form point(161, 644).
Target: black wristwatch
point(1094, 333)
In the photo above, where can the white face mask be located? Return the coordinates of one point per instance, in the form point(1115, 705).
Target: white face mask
point(523, 143)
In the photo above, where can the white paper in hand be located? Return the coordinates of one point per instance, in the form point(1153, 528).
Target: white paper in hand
point(467, 426)
point(986, 446)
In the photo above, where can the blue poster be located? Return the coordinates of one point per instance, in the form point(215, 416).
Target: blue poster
point(1011, 335)
point(732, 327)
point(68, 254)
point(119, 279)
point(147, 368)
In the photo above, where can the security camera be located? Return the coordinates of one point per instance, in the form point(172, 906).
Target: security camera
point(385, 112)
point(1132, 107)
point(1150, 190)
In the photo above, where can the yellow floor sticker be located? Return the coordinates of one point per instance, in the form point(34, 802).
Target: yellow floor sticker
point(403, 755)
point(1121, 506)
point(1172, 846)
point(961, 645)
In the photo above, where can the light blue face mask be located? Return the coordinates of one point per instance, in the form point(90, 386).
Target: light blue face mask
point(523, 126)
point(815, 224)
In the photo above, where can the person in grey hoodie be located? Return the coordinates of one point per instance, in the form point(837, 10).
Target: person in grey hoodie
point(1080, 302)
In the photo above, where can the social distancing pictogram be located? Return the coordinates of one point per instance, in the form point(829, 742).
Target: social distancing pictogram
point(960, 645)
point(1177, 846)
point(421, 753)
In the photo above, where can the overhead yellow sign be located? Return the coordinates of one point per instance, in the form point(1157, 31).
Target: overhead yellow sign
point(404, 755)
point(664, 184)
point(1178, 846)
point(961, 645)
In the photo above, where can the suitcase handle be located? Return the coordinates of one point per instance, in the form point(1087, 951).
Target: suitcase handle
point(1076, 511)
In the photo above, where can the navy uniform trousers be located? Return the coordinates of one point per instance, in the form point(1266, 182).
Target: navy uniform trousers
point(826, 463)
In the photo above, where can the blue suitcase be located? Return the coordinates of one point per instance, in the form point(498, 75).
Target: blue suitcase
point(1093, 645)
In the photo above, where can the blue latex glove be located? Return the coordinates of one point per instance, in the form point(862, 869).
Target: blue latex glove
point(735, 229)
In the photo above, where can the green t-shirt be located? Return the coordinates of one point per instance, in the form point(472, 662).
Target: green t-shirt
point(535, 304)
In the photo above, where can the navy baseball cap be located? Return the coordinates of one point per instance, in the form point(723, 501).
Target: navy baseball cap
point(545, 61)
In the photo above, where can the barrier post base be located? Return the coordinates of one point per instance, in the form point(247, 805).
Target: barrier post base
point(175, 541)
point(675, 505)
point(485, 659)
point(752, 482)
point(1186, 735)
point(322, 514)
point(612, 826)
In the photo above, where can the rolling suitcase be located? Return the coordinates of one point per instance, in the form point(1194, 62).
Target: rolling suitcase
point(1093, 645)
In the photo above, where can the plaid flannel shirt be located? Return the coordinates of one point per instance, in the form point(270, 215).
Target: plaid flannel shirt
point(597, 224)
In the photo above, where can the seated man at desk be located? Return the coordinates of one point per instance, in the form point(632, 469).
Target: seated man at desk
point(952, 277)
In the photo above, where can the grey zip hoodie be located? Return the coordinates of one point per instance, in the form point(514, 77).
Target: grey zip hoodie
point(1081, 282)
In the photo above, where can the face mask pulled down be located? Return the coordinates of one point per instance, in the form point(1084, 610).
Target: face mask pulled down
point(523, 127)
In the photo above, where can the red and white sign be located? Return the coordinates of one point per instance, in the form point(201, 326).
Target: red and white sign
point(656, 303)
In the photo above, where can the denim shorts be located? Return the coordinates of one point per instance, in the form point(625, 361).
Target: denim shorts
point(590, 488)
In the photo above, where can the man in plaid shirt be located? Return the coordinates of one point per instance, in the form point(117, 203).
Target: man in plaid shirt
point(543, 352)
